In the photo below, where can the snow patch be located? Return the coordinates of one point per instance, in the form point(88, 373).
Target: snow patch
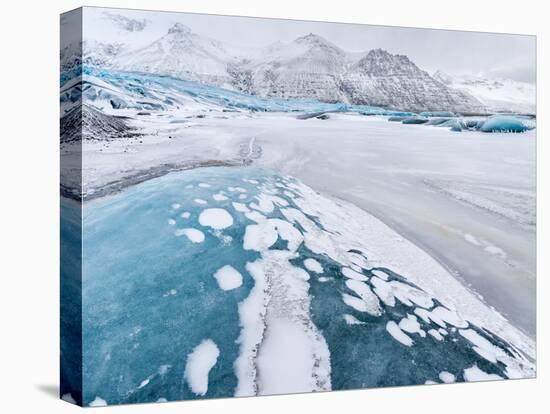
point(228, 278)
point(474, 373)
point(352, 320)
point(447, 377)
point(219, 197)
point(199, 363)
point(196, 236)
point(365, 293)
point(352, 274)
point(216, 218)
point(397, 334)
point(241, 208)
point(313, 265)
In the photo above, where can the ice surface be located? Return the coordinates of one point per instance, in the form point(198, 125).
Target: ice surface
point(198, 365)
point(216, 218)
point(228, 277)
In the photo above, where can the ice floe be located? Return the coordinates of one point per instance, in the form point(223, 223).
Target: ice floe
point(241, 208)
point(313, 265)
point(356, 303)
point(199, 363)
point(352, 274)
point(220, 197)
point(216, 218)
point(397, 334)
point(410, 324)
point(474, 373)
point(237, 189)
point(435, 334)
point(171, 292)
point(481, 345)
point(266, 203)
point(228, 277)
point(200, 201)
point(365, 293)
point(260, 236)
point(196, 236)
point(447, 377)
point(379, 273)
point(352, 320)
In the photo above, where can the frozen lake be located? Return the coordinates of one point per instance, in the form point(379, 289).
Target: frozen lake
point(467, 198)
point(215, 282)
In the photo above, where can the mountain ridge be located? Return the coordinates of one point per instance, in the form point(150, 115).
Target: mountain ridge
point(309, 67)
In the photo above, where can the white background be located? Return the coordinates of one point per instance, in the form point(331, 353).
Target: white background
point(29, 203)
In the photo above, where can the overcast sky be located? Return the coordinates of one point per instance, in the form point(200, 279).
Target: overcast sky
point(454, 52)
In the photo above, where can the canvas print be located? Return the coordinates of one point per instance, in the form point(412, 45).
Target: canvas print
point(256, 206)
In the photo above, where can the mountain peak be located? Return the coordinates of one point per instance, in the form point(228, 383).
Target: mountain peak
point(179, 28)
point(380, 61)
point(379, 52)
point(313, 40)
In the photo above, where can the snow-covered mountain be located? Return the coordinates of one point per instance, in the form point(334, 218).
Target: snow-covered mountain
point(383, 79)
point(310, 67)
point(498, 95)
point(180, 53)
